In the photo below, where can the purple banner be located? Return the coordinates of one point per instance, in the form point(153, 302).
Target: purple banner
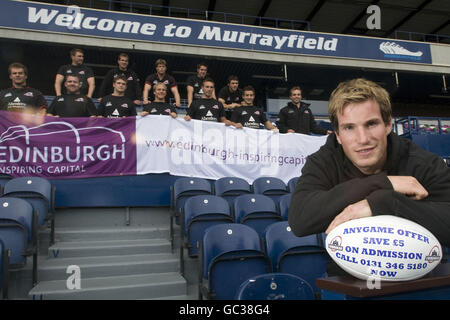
point(50, 147)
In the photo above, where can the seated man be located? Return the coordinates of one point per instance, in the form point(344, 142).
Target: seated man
point(231, 95)
point(366, 170)
point(207, 108)
point(20, 97)
point(117, 105)
point(248, 115)
point(159, 104)
point(73, 103)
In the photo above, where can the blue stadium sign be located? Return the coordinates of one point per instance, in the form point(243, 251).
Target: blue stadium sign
point(106, 24)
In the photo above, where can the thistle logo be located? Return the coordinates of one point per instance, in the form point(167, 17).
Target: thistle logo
point(394, 50)
point(61, 148)
point(335, 244)
point(433, 255)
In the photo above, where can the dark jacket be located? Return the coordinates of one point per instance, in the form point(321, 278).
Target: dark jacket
point(301, 120)
point(330, 182)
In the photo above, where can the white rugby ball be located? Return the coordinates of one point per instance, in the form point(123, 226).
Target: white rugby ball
point(385, 247)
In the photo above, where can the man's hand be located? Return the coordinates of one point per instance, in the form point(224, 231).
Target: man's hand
point(360, 209)
point(409, 186)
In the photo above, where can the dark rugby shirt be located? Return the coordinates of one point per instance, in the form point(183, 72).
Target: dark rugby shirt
point(116, 107)
point(206, 110)
point(17, 99)
point(159, 108)
point(72, 105)
point(249, 116)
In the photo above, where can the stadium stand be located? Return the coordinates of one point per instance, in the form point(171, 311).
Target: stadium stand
point(4, 178)
point(230, 188)
point(275, 286)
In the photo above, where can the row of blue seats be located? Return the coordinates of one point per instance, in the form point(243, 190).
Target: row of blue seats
point(232, 254)
point(26, 205)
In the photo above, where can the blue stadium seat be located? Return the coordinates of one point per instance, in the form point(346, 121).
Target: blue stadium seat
point(257, 211)
point(229, 254)
point(182, 189)
point(284, 206)
point(271, 187)
point(18, 230)
point(292, 183)
point(275, 286)
point(305, 257)
point(199, 213)
point(4, 275)
point(4, 178)
point(231, 187)
point(39, 193)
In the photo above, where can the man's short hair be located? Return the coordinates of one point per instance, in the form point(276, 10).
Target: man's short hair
point(159, 84)
point(232, 78)
point(357, 91)
point(75, 50)
point(202, 64)
point(293, 89)
point(73, 75)
point(120, 77)
point(123, 55)
point(17, 65)
point(160, 61)
point(208, 80)
point(248, 88)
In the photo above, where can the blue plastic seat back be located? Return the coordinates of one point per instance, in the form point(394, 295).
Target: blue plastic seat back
point(14, 238)
point(231, 253)
point(285, 201)
point(16, 210)
point(184, 188)
point(275, 286)
point(231, 186)
point(292, 183)
point(201, 212)
point(228, 237)
point(30, 185)
point(301, 256)
point(37, 191)
point(2, 258)
point(4, 178)
point(269, 186)
point(253, 204)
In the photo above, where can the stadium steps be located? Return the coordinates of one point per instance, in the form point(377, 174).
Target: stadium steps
point(115, 261)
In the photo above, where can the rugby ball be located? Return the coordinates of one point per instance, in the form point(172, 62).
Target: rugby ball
point(386, 248)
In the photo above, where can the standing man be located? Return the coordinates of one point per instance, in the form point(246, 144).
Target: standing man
point(297, 116)
point(207, 108)
point(366, 170)
point(20, 97)
point(159, 104)
point(161, 76)
point(117, 105)
point(248, 115)
point(231, 95)
point(194, 84)
point(84, 73)
point(73, 103)
point(133, 91)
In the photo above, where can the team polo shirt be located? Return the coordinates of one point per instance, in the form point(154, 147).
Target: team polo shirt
point(206, 110)
point(116, 107)
point(156, 108)
point(82, 71)
point(168, 80)
point(249, 116)
point(196, 83)
point(230, 97)
point(18, 99)
point(72, 105)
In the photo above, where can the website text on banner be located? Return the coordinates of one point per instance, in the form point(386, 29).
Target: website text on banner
point(93, 147)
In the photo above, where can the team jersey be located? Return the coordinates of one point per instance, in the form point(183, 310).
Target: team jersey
point(168, 80)
point(206, 110)
point(82, 71)
point(133, 91)
point(18, 99)
point(72, 105)
point(249, 116)
point(159, 108)
point(196, 83)
point(230, 97)
point(116, 107)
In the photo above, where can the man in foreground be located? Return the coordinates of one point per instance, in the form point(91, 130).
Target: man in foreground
point(366, 170)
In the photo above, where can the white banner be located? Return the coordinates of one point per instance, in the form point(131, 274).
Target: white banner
point(212, 150)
